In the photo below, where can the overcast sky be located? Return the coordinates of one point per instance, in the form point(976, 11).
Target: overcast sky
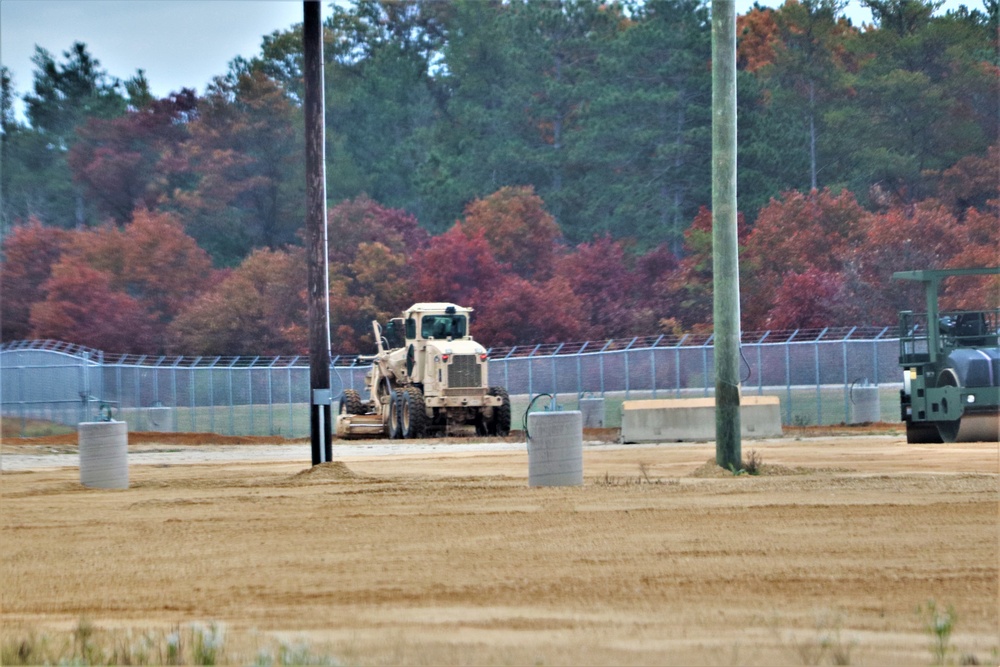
point(179, 43)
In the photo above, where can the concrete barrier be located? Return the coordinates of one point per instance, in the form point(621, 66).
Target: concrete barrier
point(693, 419)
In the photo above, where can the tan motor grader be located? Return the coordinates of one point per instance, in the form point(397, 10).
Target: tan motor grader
point(429, 377)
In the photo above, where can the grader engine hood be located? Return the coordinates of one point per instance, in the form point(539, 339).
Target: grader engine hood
point(455, 367)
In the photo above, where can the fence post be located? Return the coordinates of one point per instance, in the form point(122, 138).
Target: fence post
point(652, 364)
point(788, 375)
point(677, 365)
point(819, 385)
point(232, 408)
point(847, 387)
point(601, 360)
point(760, 365)
point(704, 363)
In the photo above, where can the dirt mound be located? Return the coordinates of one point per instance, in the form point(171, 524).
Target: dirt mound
point(334, 470)
point(711, 469)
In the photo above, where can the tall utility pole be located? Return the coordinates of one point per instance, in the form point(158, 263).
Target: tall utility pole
point(319, 284)
point(725, 261)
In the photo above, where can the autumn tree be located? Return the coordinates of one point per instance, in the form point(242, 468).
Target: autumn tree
point(259, 308)
point(371, 276)
point(152, 259)
point(520, 232)
point(792, 235)
point(131, 160)
point(29, 253)
point(81, 306)
point(244, 167)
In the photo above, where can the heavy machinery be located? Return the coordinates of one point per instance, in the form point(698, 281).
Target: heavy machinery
point(428, 377)
point(951, 367)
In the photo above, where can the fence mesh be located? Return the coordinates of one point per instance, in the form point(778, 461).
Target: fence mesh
point(812, 374)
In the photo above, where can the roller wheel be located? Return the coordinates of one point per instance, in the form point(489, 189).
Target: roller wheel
point(394, 427)
point(412, 415)
point(350, 403)
point(948, 430)
point(500, 423)
point(922, 433)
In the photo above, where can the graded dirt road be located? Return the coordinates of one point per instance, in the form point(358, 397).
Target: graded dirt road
point(446, 557)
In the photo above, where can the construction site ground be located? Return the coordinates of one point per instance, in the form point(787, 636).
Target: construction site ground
point(846, 548)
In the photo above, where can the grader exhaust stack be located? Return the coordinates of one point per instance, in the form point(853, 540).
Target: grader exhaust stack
point(951, 367)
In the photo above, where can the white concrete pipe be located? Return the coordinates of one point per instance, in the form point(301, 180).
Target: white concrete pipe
point(103, 454)
point(555, 448)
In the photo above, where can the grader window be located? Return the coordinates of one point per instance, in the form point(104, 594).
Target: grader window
point(443, 326)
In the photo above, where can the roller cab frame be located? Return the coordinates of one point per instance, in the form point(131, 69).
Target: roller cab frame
point(951, 366)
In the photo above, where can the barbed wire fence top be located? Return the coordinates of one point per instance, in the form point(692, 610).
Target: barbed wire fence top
point(812, 372)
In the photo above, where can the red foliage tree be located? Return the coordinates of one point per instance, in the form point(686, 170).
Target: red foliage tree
point(615, 295)
point(816, 231)
point(457, 267)
point(515, 311)
point(29, 252)
point(82, 306)
point(127, 161)
point(903, 238)
point(809, 300)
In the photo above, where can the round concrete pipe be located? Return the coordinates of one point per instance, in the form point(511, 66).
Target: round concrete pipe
point(865, 405)
point(103, 454)
point(555, 448)
point(593, 412)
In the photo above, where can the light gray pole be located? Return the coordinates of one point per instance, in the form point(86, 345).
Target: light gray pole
point(726, 282)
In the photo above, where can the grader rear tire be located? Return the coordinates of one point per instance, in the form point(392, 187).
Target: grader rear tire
point(394, 428)
point(350, 403)
point(412, 415)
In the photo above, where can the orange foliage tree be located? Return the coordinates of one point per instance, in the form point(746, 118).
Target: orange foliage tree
point(259, 308)
point(520, 232)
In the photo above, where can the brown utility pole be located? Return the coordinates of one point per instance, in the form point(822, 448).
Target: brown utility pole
point(725, 262)
point(319, 283)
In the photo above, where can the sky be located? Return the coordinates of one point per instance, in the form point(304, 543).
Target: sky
point(178, 43)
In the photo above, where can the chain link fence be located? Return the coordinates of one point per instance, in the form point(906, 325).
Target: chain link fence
point(813, 373)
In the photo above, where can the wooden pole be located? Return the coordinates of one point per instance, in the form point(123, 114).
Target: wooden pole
point(725, 262)
point(318, 288)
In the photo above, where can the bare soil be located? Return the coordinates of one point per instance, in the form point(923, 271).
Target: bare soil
point(661, 557)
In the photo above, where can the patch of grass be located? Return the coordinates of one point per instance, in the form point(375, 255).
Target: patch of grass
point(939, 624)
point(643, 478)
point(191, 644)
point(13, 427)
point(752, 464)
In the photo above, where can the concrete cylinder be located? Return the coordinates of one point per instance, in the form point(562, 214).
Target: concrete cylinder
point(159, 419)
point(593, 412)
point(555, 448)
point(865, 405)
point(103, 454)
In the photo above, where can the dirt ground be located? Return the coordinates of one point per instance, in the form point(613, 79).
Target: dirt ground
point(831, 556)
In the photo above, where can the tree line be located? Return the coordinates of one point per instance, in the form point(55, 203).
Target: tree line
point(544, 162)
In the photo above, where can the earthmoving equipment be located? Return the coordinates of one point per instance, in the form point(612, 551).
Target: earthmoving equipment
point(951, 367)
point(429, 377)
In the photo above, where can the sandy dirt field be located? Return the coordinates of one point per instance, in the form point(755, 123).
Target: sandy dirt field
point(446, 556)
